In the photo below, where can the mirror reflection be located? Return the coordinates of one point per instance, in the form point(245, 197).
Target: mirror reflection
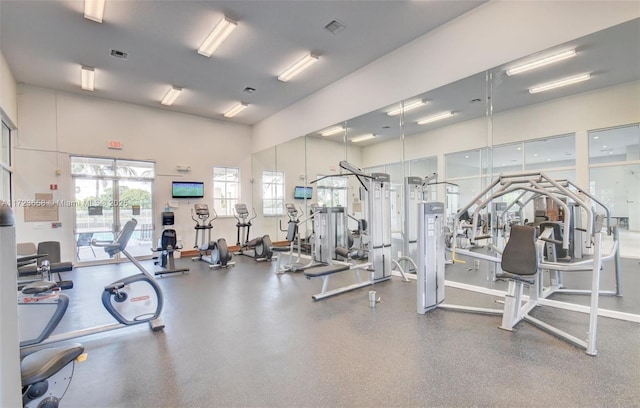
point(464, 134)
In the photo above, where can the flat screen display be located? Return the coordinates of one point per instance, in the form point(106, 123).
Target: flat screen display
point(187, 189)
point(302, 192)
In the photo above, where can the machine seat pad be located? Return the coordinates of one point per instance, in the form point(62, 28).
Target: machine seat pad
point(324, 270)
point(280, 248)
point(38, 287)
point(42, 364)
point(520, 255)
point(61, 267)
point(518, 278)
point(28, 270)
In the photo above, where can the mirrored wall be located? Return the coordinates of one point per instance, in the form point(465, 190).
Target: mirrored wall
point(461, 136)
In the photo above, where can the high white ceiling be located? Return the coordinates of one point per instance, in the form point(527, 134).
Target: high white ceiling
point(46, 41)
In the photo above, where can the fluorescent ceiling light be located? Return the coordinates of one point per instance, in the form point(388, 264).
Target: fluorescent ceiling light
point(559, 83)
point(332, 131)
point(94, 10)
point(298, 67)
point(433, 118)
point(87, 78)
point(235, 110)
point(171, 96)
point(407, 107)
point(217, 36)
point(541, 62)
point(363, 138)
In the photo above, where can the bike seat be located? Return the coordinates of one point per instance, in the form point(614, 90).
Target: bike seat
point(44, 363)
point(39, 287)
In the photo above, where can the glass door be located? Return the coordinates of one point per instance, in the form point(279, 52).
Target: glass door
point(135, 202)
point(108, 193)
point(95, 218)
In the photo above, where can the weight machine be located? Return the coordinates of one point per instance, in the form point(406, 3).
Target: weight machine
point(523, 259)
point(375, 192)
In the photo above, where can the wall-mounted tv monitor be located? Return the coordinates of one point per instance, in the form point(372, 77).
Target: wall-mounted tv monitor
point(302, 192)
point(187, 189)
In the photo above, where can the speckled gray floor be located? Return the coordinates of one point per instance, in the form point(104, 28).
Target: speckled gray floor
point(245, 337)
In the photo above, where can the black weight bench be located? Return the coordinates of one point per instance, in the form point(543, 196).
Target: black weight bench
point(325, 272)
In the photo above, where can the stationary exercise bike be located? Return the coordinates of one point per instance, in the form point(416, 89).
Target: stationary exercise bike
point(132, 300)
point(258, 248)
point(167, 245)
point(219, 255)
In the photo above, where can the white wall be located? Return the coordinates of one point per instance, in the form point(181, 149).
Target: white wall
point(55, 125)
point(614, 106)
point(10, 368)
point(490, 35)
point(8, 102)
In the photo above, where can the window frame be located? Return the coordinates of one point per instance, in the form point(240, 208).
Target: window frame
point(277, 200)
point(229, 212)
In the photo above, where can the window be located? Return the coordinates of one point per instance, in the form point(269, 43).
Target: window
point(273, 192)
point(5, 164)
point(508, 158)
point(557, 153)
point(466, 164)
point(614, 145)
point(226, 189)
point(614, 177)
point(332, 191)
point(549, 153)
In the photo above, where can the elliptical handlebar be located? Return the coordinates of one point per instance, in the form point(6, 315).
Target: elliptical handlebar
point(204, 215)
point(241, 213)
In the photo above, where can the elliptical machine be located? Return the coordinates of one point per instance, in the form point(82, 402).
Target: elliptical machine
point(219, 256)
point(167, 244)
point(259, 248)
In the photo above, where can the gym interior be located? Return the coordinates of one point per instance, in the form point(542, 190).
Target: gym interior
point(439, 209)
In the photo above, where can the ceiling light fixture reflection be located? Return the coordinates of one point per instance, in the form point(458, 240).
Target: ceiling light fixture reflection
point(363, 138)
point(332, 131)
point(87, 78)
point(94, 10)
point(235, 110)
point(409, 106)
point(559, 83)
point(302, 64)
point(217, 36)
point(171, 96)
point(434, 118)
point(541, 62)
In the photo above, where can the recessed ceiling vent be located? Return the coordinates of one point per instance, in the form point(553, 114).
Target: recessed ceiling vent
point(119, 54)
point(335, 27)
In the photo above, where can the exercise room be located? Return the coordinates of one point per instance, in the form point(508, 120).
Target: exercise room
point(319, 203)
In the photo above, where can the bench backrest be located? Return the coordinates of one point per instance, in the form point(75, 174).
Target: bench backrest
point(520, 255)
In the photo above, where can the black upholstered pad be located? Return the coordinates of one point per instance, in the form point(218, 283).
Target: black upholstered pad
point(42, 364)
point(519, 256)
point(324, 270)
point(281, 248)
